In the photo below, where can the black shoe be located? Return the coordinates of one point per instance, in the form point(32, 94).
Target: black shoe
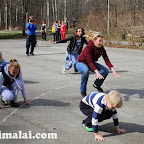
point(75, 70)
point(3, 103)
point(12, 104)
point(27, 54)
point(83, 94)
point(32, 54)
point(98, 88)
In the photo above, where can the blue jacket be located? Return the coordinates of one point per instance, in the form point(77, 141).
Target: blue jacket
point(31, 28)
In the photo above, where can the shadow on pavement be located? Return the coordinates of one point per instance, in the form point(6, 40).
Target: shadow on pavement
point(49, 54)
point(129, 92)
point(45, 46)
point(30, 82)
point(130, 127)
point(46, 102)
point(119, 71)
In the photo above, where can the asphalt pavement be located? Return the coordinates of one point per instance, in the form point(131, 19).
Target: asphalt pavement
point(55, 97)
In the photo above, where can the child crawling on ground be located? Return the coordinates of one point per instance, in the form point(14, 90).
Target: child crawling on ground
point(98, 107)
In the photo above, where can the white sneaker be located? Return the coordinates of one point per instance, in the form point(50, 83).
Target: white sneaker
point(63, 69)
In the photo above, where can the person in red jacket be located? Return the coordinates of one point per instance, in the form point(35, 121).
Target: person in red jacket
point(87, 61)
point(63, 30)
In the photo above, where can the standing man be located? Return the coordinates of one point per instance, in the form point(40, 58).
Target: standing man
point(31, 35)
point(73, 22)
point(66, 24)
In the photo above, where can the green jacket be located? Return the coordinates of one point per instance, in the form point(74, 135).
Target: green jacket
point(72, 43)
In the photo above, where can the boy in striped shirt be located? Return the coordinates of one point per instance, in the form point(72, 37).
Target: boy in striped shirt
point(98, 107)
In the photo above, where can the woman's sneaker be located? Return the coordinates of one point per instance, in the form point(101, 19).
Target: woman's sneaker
point(63, 69)
point(83, 94)
point(98, 88)
point(3, 103)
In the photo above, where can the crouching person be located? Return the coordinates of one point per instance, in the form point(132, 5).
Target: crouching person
point(98, 107)
point(11, 82)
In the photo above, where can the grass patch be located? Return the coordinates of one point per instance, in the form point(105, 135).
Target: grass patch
point(14, 35)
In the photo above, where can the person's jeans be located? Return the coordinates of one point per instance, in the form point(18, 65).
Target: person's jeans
point(84, 69)
point(31, 40)
point(71, 60)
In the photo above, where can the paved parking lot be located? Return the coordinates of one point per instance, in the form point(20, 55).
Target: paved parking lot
point(55, 96)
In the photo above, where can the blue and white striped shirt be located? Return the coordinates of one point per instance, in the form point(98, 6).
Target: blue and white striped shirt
point(98, 103)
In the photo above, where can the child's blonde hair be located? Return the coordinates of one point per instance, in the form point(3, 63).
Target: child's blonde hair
point(0, 56)
point(14, 64)
point(92, 35)
point(114, 98)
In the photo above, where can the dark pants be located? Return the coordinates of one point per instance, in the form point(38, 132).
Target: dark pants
point(88, 111)
point(66, 27)
point(54, 37)
point(74, 26)
point(44, 36)
point(31, 40)
point(58, 35)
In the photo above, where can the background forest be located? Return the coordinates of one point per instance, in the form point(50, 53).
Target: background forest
point(125, 16)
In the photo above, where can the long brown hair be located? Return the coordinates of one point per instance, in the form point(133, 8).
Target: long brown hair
point(76, 30)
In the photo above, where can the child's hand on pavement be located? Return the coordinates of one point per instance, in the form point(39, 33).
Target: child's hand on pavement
point(98, 137)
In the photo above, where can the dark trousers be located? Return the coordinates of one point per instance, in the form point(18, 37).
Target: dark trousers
point(88, 111)
point(58, 35)
point(44, 36)
point(31, 40)
point(54, 37)
point(66, 27)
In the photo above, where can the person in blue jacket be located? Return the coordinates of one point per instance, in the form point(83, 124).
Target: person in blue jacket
point(31, 35)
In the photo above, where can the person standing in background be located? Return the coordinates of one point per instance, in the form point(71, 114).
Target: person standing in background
point(58, 35)
point(67, 24)
point(63, 30)
point(73, 22)
point(53, 30)
point(43, 30)
point(31, 35)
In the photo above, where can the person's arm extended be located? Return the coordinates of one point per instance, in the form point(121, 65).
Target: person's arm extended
point(65, 40)
point(23, 89)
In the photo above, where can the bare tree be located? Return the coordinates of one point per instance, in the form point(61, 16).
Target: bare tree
point(6, 14)
point(17, 11)
point(65, 9)
point(56, 15)
point(0, 17)
point(24, 15)
point(48, 16)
